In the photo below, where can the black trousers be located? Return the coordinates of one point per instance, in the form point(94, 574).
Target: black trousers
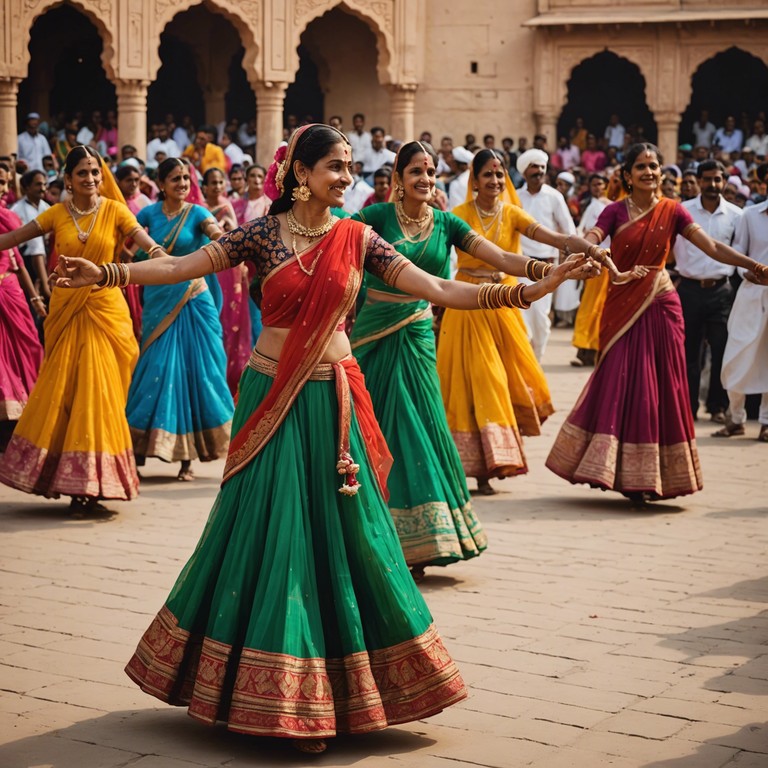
point(705, 313)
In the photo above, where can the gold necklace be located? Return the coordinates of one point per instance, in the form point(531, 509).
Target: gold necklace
point(85, 213)
point(492, 223)
point(405, 217)
point(297, 228)
point(494, 212)
point(640, 210)
point(172, 214)
point(83, 236)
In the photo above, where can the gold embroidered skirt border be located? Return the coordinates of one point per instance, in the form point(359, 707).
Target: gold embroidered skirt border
point(279, 695)
point(600, 459)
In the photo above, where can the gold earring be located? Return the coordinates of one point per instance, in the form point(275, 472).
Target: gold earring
point(302, 192)
point(399, 192)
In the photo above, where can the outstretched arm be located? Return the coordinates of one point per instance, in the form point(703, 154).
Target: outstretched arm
point(20, 235)
point(727, 255)
point(459, 295)
point(74, 272)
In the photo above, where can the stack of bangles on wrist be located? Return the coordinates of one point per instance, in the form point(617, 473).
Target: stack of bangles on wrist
point(37, 298)
point(597, 253)
point(498, 296)
point(115, 275)
point(536, 270)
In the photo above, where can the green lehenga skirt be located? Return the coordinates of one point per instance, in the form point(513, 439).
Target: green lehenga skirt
point(429, 499)
point(296, 615)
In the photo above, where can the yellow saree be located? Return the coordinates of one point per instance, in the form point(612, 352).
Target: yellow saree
point(493, 387)
point(72, 437)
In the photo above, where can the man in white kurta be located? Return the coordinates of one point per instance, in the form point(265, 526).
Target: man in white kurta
point(745, 363)
point(548, 207)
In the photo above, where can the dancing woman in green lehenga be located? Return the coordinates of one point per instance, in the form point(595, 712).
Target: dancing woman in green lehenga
point(296, 615)
point(394, 344)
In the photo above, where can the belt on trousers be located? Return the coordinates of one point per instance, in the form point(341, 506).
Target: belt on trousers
point(711, 282)
point(327, 372)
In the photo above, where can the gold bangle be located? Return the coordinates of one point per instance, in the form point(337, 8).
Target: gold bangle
point(155, 247)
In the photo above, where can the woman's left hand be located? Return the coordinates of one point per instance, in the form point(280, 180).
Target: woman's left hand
point(73, 272)
point(577, 266)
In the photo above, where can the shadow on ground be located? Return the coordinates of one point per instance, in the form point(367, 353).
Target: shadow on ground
point(170, 737)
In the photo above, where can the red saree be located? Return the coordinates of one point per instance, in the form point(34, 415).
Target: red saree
point(631, 430)
point(313, 306)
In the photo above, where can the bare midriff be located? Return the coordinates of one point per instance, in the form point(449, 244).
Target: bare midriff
point(271, 340)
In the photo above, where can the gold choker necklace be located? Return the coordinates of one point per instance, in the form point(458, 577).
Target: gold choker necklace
point(410, 220)
point(85, 213)
point(83, 236)
point(172, 214)
point(297, 228)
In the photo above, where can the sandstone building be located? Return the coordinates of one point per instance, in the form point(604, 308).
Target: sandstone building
point(508, 67)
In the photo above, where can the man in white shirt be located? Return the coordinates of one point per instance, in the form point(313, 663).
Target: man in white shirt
point(457, 189)
point(729, 138)
point(614, 132)
point(745, 362)
point(358, 191)
point(548, 207)
point(705, 289)
point(359, 138)
point(758, 141)
point(377, 155)
point(32, 145)
point(161, 143)
point(703, 131)
point(28, 209)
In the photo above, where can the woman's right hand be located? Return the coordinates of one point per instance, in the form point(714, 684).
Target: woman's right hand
point(73, 272)
point(637, 272)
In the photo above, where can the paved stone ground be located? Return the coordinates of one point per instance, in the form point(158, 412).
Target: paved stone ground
point(590, 635)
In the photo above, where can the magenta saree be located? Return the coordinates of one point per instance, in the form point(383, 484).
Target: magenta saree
point(631, 429)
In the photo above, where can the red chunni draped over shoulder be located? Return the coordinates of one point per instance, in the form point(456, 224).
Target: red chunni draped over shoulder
point(645, 240)
point(313, 306)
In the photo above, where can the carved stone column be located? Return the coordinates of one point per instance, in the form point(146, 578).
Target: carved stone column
point(269, 119)
point(668, 124)
point(132, 114)
point(402, 98)
point(215, 105)
point(9, 88)
point(546, 124)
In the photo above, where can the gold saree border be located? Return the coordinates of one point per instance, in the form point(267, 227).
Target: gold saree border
point(420, 314)
point(205, 444)
point(494, 451)
point(435, 532)
point(275, 694)
point(600, 459)
point(29, 468)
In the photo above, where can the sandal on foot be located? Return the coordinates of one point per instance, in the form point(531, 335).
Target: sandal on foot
point(185, 475)
point(310, 746)
point(763, 436)
point(729, 430)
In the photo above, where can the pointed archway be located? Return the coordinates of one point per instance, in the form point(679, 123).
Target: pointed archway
point(346, 75)
point(66, 77)
point(201, 73)
point(731, 82)
point(602, 85)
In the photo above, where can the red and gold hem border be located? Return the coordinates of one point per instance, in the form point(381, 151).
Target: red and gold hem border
point(279, 695)
point(602, 460)
point(31, 469)
point(495, 451)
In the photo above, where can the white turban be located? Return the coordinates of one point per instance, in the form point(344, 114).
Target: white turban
point(462, 155)
point(532, 157)
point(567, 177)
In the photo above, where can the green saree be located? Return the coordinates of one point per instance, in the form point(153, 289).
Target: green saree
point(395, 346)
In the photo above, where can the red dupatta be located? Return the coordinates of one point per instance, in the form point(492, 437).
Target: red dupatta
point(314, 306)
point(645, 240)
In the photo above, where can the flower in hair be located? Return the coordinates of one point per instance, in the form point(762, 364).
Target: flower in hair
point(273, 184)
